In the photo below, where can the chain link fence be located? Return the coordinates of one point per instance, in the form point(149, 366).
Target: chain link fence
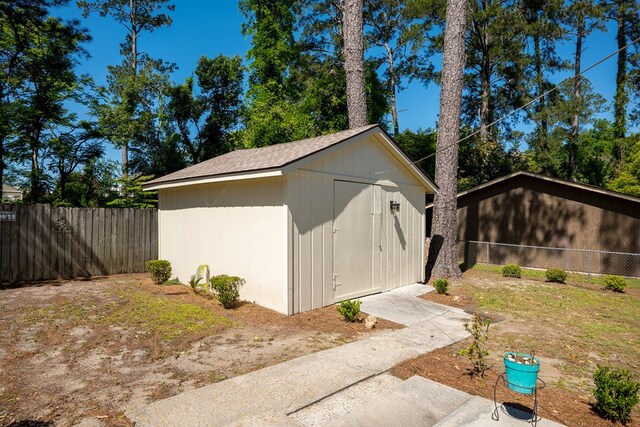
point(577, 260)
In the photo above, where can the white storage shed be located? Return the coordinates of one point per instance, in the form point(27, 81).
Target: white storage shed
point(305, 223)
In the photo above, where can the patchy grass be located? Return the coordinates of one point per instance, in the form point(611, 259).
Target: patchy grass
point(581, 325)
point(74, 352)
point(158, 316)
point(539, 274)
point(168, 319)
point(572, 327)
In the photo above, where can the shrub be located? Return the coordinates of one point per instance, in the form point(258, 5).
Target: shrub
point(441, 285)
point(556, 275)
point(159, 269)
point(227, 289)
point(476, 352)
point(350, 310)
point(512, 270)
point(615, 392)
point(615, 283)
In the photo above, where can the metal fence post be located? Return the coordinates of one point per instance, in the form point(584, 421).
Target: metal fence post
point(487, 252)
point(589, 267)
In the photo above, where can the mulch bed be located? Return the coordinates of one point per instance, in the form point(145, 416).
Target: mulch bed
point(557, 404)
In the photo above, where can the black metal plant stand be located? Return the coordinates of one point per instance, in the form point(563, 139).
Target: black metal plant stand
point(534, 391)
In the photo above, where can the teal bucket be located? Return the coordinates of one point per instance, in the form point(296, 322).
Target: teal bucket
point(521, 378)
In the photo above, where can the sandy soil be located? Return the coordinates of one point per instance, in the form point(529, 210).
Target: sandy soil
point(82, 352)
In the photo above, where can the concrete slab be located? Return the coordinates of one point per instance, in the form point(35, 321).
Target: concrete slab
point(266, 420)
point(402, 305)
point(375, 356)
point(280, 388)
point(415, 402)
point(343, 402)
point(263, 397)
point(477, 413)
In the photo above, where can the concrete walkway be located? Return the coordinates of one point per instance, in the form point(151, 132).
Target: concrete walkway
point(285, 394)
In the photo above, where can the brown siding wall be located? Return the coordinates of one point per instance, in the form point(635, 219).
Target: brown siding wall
point(525, 210)
point(528, 211)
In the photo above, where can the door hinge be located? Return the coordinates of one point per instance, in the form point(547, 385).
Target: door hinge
point(335, 281)
point(334, 230)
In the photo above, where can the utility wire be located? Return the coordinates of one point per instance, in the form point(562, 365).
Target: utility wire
point(556, 87)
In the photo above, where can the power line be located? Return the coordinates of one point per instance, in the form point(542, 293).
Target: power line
point(631, 43)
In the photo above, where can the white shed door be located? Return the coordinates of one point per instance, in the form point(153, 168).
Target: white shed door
point(353, 239)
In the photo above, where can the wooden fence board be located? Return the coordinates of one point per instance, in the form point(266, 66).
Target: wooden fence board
point(48, 242)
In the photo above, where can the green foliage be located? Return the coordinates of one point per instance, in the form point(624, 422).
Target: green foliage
point(129, 112)
point(350, 310)
point(159, 269)
point(38, 84)
point(556, 275)
point(615, 392)
point(512, 270)
point(93, 186)
point(419, 145)
point(628, 180)
point(476, 352)
point(132, 194)
point(205, 118)
point(615, 283)
point(441, 285)
point(227, 289)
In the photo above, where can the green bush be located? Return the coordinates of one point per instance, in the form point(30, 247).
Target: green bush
point(512, 270)
point(615, 392)
point(350, 310)
point(441, 285)
point(160, 270)
point(615, 283)
point(556, 275)
point(227, 289)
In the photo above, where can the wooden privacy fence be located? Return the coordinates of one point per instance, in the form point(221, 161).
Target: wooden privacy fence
point(39, 241)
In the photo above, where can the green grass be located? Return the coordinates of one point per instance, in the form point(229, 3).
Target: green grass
point(539, 274)
point(159, 317)
point(581, 326)
point(166, 318)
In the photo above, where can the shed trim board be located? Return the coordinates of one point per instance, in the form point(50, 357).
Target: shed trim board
point(276, 228)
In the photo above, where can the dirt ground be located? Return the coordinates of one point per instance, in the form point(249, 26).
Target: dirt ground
point(82, 352)
point(572, 328)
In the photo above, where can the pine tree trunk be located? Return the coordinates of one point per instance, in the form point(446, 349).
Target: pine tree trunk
point(485, 100)
point(577, 87)
point(134, 66)
point(544, 123)
point(392, 91)
point(485, 83)
point(621, 98)
point(352, 33)
point(443, 256)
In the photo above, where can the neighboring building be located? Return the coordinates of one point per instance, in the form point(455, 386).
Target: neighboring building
point(11, 193)
point(305, 223)
point(529, 209)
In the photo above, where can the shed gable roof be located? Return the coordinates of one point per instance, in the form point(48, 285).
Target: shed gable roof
point(557, 181)
point(241, 163)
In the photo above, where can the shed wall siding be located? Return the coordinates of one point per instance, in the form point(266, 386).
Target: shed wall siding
point(398, 249)
point(529, 211)
point(237, 228)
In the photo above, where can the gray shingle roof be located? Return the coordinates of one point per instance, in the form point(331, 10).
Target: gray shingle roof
point(256, 159)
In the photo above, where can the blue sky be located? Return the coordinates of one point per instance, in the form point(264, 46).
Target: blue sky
point(212, 27)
